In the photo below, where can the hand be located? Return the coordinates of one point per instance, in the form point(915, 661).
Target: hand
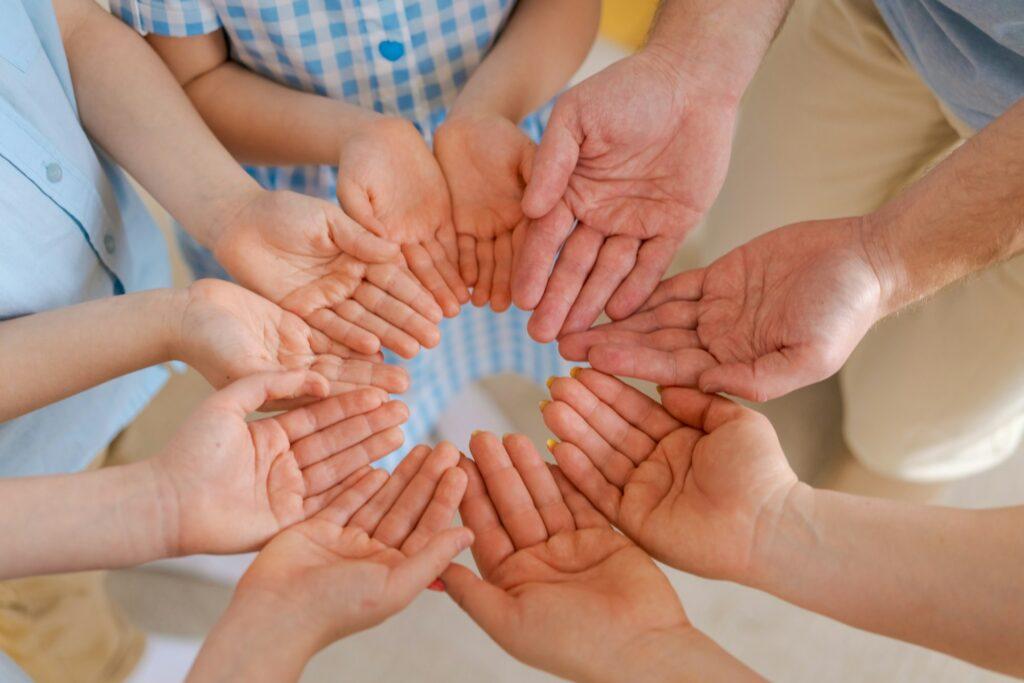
point(637, 154)
point(778, 313)
point(326, 578)
point(390, 183)
point(693, 482)
point(226, 332)
point(561, 590)
point(486, 160)
point(229, 485)
point(307, 256)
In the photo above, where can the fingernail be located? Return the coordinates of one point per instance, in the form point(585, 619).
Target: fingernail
point(544, 404)
point(551, 443)
point(476, 432)
point(659, 388)
point(550, 381)
point(436, 585)
point(574, 373)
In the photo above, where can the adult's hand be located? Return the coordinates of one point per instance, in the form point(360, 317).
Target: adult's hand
point(778, 313)
point(307, 256)
point(636, 154)
point(693, 482)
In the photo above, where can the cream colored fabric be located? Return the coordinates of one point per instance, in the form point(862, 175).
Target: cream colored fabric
point(835, 123)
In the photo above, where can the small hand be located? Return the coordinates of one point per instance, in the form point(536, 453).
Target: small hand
point(486, 161)
point(307, 256)
point(693, 482)
point(227, 332)
point(778, 313)
point(391, 184)
point(637, 154)
point(231, 484)
point(561, 590)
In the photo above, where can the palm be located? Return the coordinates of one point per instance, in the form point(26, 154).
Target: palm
point(652, 155)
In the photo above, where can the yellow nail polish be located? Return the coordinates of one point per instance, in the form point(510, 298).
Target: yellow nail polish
point(544, 404)
point(476, 432)
point(575, 372)
point(659, 388)
point(551, 443)
point(550, 381)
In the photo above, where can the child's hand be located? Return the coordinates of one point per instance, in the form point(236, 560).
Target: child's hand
point(390, 183)
point(328, 577)
point(226, 332)
point(310, 258)
point(486, 161)
point(229, 485)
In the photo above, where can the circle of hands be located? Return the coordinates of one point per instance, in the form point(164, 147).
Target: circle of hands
point(574, 227)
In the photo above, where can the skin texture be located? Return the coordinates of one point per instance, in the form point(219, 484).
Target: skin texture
point(780, 312)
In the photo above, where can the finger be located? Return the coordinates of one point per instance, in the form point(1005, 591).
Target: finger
point(246, 395)
point(541, 241)
point(370, 515)
point(577, 346)
point(554, 161)
point(418, 571)
point(403, 516)
point(507, 491)
point(686, 286)
point(422, 266)
point(398, 314)
point(677, 315)
point(706, 412)
point(324, 474)
point(356, 240)
point(467, 259)
point(344, 432)
point(493, 544)
point(652, 261)
point(614, 429)
point(631, 404)
point(302, 422)
point(536, 475)
point(585, 515)
point(769, 376)
point(614, 262)
point(338, 506)
point(389, 378)
point(390, 336)
point(669, 368)
point(403, 287)
point(440, 511)
point(501, 292)
point(449, 271)
point(570, 426)
point(571, 270)
point(314, 504)
point(343, 331)
point(485, 264)
point(486, 604)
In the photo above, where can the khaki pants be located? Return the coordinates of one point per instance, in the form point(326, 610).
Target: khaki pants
point(835, 123)
point(64, 628)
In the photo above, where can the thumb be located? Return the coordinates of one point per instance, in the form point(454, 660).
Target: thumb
point(248, 394)
point(356, 239)
point(421, 568)
point(770, 376)
point(485, 603)
point(555, 160)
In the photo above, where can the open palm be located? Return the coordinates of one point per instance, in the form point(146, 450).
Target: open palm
point(486, 161)
point(561, 590)
point(310, 258)
point(391, 184)
point(689, 482)
point(773, 315)
point(637, 158)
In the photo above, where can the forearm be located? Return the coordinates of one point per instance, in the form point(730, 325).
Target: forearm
point(947, 579)
point(100, 519)
point(131, 106)
point(679, 655)
point(90, 343)
point(718, 43)
point(541, 47)
point(965, 215)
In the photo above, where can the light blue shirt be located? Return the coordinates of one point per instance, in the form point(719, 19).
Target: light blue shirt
point(970, 52)
point(71, 229)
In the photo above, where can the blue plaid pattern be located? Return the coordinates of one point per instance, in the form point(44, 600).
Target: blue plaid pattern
point(406, 58)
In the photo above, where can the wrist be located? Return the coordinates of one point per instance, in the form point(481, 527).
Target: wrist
point(149, 524)
point(174, 342)
point(678, 654)
point(786, 537)
point(882, 254)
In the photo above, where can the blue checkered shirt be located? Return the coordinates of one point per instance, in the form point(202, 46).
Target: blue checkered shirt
point(407, 58)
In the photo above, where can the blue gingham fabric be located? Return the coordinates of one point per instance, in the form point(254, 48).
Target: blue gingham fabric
point(407, 58)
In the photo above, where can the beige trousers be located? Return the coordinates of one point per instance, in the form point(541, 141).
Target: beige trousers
point(835, 123)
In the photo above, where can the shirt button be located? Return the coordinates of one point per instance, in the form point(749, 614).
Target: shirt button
point(109, 244)
point(54, 172)
point(391, 50)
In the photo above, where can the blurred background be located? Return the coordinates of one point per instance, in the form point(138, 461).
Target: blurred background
point(177, 601)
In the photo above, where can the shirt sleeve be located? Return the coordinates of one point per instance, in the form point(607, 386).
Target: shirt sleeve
point(175, 18)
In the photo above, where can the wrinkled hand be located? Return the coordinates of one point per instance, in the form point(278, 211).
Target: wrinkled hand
point(486, 161)
point(778, 313)
point(227, 332)
point(561, 590)
point(391, 184)
point(637, 154)
point(693, 482)
point(229, 485)
point(311, 259)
